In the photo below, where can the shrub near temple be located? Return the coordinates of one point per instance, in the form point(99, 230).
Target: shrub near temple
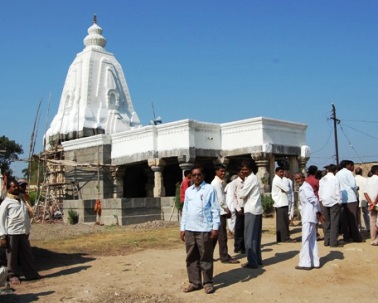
point(73, 217)
point(267, 204)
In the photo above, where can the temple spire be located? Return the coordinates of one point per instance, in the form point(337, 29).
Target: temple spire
point(95, 98)
point(95, 39)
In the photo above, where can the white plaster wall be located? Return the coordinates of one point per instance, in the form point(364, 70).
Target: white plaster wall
point(241, 134)
point(134, 141)
point(185, 134)
point(283, 133)
point(87, 142)
point(263, 132)
point(174, 135)
point(206, 136)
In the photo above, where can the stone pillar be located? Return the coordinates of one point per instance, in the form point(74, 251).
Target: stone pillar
point(225, 161)
point(117, 179)
point(185, 166)
point(157, 166)
point(293, 164)
point(302, 164)
point(263, 175)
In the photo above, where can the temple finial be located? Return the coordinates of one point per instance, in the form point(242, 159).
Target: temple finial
point(95, 19)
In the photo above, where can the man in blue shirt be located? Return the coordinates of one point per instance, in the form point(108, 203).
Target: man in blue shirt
point(199, 226)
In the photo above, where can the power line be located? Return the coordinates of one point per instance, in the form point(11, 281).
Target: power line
point(360, 131)
point(325, 144)
point(362, 121)
point(350, 143)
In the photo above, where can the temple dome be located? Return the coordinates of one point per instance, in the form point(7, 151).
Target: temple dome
point(95, 97)
point(95, 38)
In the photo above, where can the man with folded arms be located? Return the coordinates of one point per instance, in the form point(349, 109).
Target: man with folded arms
point(330, 197)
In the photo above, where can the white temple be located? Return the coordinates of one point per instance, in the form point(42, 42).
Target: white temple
point(95, 97)
point(134, 169)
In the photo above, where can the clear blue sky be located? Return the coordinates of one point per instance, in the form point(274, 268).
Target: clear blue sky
point(212, 61)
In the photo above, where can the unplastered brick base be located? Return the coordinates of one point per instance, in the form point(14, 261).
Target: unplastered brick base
point(123, 211)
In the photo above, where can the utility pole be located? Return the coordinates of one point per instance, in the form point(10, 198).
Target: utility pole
point(335, 122)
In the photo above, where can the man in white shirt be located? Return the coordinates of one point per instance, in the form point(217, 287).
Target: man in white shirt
point(228, 191)
point(330, 197)
point(349, 205)
point(371, 195)
point(253, 211)
point(218, 184)
point(362, 203)
point(237, 203)
point(14, 235)
point(308, 257)
point(281, 204)
point(290, 195)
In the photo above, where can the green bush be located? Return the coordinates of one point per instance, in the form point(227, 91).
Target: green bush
point(267, 204)
point(73, 217)
point(33, 197)
point(178, 204)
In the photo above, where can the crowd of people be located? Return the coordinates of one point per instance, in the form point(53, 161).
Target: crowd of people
point(332, 198)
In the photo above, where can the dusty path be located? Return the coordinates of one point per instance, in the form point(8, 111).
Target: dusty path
point(347, 274)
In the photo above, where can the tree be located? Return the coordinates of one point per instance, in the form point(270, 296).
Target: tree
point(36, 171)
point(9, 151)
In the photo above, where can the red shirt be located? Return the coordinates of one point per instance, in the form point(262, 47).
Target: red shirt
point(184, 185)
point(314, 184)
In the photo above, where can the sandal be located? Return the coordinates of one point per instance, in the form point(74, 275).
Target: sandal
point(246, 265)
point(191, 287)
point(14, 280)
point(231, 261)
point(209, 288)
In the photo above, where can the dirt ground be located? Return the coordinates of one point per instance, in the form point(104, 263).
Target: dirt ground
point(347, 274)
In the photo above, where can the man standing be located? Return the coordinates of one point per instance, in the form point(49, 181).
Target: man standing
point(25, 196)
point(233, 198)
point(281, 204)
point(198, 229)
point(218, 184)
point(14, 235)
point(308, 257)
point(253, 211)
point(230, 221)
point(362, 203)
point(371, 195)
point(290, 195)
point(330, 197)
point(314, 182)
point(185, 184)
point(349, 211)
